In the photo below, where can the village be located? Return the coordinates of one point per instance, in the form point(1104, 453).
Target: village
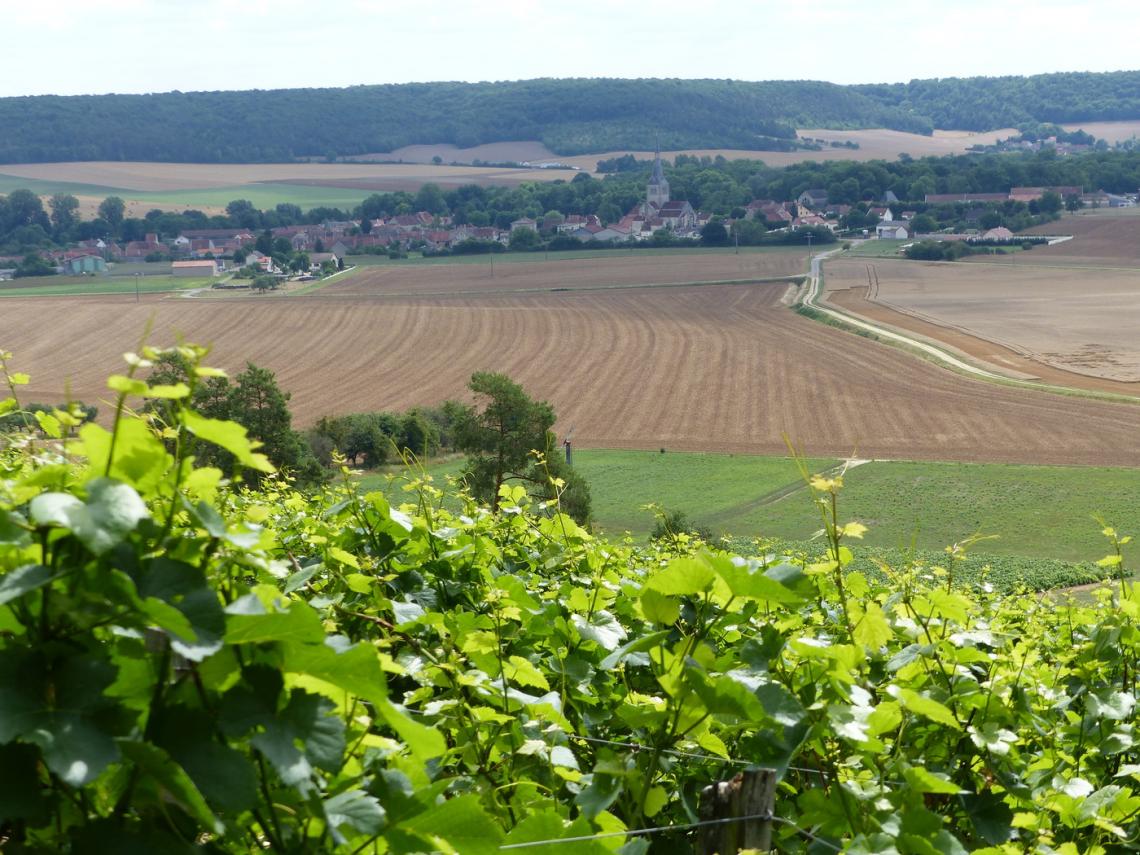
point(321, 248)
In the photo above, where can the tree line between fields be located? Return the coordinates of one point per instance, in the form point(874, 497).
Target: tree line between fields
point(608, 114)
point(506, 435)
point(719, 186)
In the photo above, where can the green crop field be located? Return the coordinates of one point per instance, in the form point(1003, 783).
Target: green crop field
point(71, 286)
point(1034, 511)
point(262, 195)
point(876, 249)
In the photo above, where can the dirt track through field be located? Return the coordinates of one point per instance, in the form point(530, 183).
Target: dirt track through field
point(717, 367)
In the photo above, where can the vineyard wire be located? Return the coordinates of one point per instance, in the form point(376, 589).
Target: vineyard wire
point(638, 832)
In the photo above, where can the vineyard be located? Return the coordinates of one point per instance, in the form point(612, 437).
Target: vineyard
point(192, 665)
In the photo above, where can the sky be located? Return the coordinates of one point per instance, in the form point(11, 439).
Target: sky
point(70, 47)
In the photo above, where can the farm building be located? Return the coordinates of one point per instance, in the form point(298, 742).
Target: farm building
point(206, 267)
point(78, 264)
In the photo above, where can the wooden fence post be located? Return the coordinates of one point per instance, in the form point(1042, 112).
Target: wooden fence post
point(752, 793)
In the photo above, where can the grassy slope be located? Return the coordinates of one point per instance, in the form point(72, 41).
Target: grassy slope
point(1036, 511)
point(69, 286)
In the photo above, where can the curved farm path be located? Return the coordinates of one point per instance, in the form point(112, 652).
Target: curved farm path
point(714, 367)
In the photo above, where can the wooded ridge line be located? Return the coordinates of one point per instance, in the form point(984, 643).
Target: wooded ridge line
point(570, 116)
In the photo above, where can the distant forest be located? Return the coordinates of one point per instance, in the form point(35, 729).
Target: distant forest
point(574, 116)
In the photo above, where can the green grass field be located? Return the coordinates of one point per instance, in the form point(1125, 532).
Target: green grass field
point(875, 249)
point(262, 195)
point(71, 286)
point(1035, 511)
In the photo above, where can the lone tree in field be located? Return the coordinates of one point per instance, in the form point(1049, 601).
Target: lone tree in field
point(499, 435)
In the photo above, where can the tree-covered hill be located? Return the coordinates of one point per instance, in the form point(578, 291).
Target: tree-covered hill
point(572, 116)
point(986, 103)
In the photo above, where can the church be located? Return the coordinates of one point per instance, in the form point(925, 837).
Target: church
point(659, 210)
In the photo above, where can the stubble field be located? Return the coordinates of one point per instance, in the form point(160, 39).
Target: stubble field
point(1102, 237)
point(712, 367)
point(1080, 322)
point(570, 271)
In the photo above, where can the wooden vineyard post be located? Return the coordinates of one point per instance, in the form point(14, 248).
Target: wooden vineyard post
point(752, 793)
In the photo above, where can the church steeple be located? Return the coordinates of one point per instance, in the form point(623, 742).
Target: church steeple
point(657, 192)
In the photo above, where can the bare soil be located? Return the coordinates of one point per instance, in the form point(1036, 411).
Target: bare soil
point(616, 269)
point(1102, 237)
point(1080, 321)
point(721, 367)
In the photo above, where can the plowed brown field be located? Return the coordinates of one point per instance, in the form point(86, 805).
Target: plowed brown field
point(614, 269)
point(723, 367)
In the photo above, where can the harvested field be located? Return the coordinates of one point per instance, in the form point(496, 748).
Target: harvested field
point(1113, 132)
point(716, 368)
point(189, 176)
point(1103, 237)
point(874, 144)
point(641, 269)
point(1081, 323)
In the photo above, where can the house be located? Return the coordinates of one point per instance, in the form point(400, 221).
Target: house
point(524, 223)
point(7, 274)
point(677, 215)
point(614, 233)
point(769, 211)
point(438, 238)
point(891, 230)
point(889, 198)
point(585, 233)
point(206, 267)
point(809, 219)
point(1115, 201)
point(576, 221)
point(815, 199)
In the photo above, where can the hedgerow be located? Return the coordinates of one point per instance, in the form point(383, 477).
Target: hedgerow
point(189, 665)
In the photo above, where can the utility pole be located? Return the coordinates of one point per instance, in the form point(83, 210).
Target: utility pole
point(137, 275)
point(491, 252)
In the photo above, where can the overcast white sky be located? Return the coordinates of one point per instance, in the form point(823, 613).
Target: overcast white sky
point(96, 46)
